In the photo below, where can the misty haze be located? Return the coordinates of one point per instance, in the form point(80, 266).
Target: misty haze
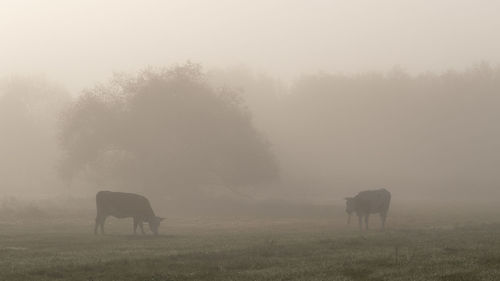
point(249, 140)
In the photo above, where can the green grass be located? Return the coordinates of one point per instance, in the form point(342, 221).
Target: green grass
point(249, 249)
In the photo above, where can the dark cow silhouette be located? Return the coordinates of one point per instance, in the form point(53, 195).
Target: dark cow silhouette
point(369, 202)
point(125, 205)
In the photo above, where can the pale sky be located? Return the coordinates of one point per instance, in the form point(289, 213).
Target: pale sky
point(79, 43)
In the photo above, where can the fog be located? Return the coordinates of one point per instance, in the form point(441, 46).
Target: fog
point(249, 140)
point(81, 42)
point(296, 101)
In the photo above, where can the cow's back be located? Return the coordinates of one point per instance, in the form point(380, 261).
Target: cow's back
point(373, 201)
point(122, 205)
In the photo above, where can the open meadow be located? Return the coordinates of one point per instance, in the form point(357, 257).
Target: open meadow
point(419, 244)
point(248, 136)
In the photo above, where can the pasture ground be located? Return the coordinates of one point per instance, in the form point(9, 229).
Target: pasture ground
point(419, 244)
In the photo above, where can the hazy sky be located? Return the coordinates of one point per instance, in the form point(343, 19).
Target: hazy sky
point(80, 42)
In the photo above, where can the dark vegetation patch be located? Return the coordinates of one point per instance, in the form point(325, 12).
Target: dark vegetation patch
point(489, 260)
point(356, 272)
point(461, 276)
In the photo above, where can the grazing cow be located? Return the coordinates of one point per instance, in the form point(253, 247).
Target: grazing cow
point(125, 205)
point(369, 202)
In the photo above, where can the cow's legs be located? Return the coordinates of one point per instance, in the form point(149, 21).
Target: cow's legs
point(141, 225)
point(366, 221)
point(102, 219)
point(99, 221)
point(136, 221)
point(383, 217)
point(360, 219)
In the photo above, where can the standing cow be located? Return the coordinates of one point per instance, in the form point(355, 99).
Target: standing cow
point(369, 202)
point(125, 205)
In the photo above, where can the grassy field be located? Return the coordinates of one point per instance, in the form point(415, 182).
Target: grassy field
point(414, 247)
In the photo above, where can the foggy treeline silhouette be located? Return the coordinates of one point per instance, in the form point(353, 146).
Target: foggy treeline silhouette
point(29, 150)
point(427, 135)
point(164, 130)
point(181, 130)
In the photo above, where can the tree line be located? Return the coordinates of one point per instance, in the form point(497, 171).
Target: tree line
point(181, 130)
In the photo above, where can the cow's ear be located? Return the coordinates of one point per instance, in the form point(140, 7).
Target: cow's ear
point(348, 198)
point(160, 219)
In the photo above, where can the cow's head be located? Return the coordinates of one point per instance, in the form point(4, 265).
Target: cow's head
point(154, 224)
point(350, 206)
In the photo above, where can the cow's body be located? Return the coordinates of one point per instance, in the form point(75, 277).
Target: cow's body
point(125, 205)
point(369, 202)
